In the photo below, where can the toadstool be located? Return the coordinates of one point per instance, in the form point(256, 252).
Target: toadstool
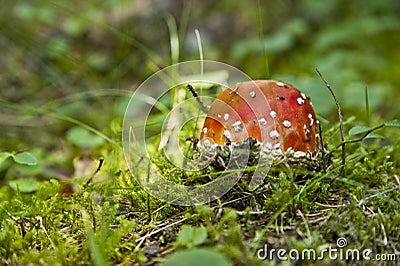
point(275, 114)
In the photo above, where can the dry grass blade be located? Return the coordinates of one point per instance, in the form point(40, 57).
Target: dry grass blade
point(361, 202)
point(198, 99)
point(340, 122)
point(143, 238)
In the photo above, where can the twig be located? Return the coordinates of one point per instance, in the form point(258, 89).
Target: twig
point(19, 221)
point(101, 161)
point(143, 238)
point(242, 213)
point(198, 99)
point(329, 206)
point(316, 214)
point(397, 179)
point(9, 214)
point(167, 251)
point(361, 202)
point(235, 200)
point(362, 137)
point(323, 219)
point(40, 220)
point(305, 222)
point(340, 122)
point(139, 161)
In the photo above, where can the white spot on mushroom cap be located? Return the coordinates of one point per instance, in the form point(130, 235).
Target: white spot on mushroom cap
point(237, 123)
point(272, 114)
point(262, 121)
point(274, 134)
point(237, 126)
point(300, 101)
point(253, 94)
point(307, 131)
point(277, 145)
point(280, 84)
point(303, 96)
point(227, 134)
point(287, 123)
point(205, 130)
point(311, 119)
point(226, 116)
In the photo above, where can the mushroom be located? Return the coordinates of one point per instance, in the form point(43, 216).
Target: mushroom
point(276, 114)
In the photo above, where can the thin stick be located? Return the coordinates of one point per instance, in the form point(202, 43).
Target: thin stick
point(143, 238)
point(101, 161)
point(329, 206)
point(40, 220)
point(242, 213)
point(361, 202)
point(198, 99)
point(323, 218)
point(362, 137)
point(340, 122)
point(305, 222)
point(17, 221)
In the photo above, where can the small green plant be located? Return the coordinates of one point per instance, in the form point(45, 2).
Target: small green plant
point(196, 257)
point(24, 158)
point(190, 236)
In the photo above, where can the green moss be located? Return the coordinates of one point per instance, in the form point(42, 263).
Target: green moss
point(77, 73)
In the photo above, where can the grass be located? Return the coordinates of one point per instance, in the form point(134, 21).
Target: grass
point(113, 220)
point(60, 206)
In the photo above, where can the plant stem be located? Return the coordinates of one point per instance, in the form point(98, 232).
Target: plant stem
point(343, 144)
point(261, 37)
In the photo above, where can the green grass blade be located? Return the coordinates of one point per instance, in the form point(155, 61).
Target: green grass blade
point(174, 39)
point(367, 107)
point(261, 36)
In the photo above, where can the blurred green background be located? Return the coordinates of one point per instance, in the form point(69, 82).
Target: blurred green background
point(82, 59)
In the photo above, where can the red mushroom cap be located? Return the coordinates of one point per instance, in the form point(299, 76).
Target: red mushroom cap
point(274, 113)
